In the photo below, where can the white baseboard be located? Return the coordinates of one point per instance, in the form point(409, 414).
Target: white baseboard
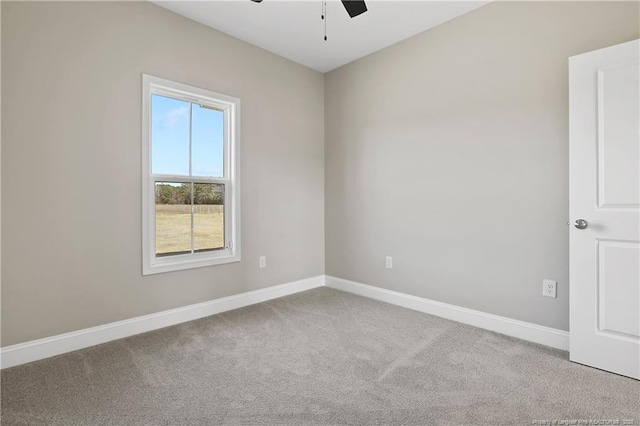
point(547, 336)
point(34, 350)
point(50, 346)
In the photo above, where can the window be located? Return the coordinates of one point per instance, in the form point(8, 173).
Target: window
point(190, 177)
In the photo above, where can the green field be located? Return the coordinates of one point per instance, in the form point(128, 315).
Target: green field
point(173, 228)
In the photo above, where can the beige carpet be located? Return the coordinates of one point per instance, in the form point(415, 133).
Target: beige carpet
point(322, 357)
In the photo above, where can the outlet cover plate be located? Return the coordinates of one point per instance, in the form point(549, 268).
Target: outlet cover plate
point(549, 288)
point(388, 262)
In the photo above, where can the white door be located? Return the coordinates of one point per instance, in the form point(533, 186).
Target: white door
point(605, 208)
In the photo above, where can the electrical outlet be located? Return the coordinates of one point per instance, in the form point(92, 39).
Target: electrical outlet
point(263, 261)
point(388, 262)
point(549, 288)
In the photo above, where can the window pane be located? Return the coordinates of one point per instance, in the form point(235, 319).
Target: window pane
point(207, 142)
point(208, 216)
point(173, 218)
point(169, 136)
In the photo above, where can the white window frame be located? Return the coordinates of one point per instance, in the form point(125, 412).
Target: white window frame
point(152, 264)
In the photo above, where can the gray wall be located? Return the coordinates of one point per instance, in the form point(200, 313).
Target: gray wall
point(449, 152)
point(71, 163)
point(0, 169)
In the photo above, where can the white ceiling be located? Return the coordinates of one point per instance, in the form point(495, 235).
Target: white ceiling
point(295, 30)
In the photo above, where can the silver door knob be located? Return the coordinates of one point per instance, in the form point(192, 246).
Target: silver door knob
point(581, 224)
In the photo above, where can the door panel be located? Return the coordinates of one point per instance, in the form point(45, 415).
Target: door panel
point(604, 124)
point(618, 155)
point(618, 291)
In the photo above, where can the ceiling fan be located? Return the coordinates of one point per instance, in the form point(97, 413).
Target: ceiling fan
point(353, 7)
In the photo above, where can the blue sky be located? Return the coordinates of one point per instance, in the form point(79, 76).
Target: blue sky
point(170, 138)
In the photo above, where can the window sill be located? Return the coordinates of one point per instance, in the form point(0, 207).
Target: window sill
point(170, 265)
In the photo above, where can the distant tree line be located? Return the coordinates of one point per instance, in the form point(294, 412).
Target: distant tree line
point(203, 193)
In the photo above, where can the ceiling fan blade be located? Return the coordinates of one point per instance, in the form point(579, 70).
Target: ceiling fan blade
point(354, 7)
point(256, 1)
